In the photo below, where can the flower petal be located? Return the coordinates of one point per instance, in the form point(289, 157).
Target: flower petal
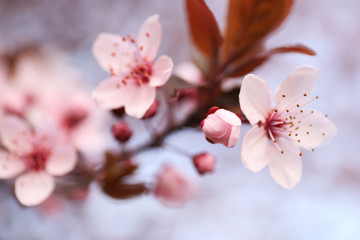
point(255, 149)
point(188, 72)
point(149, 37)
point(296, 88)
point(255, 99)
point(32, 188)
point(313, 129)
point(161, 71)
point(112, 93)
point(139, 100)
point(113, 53)
point(62, 160)
point(15, 135)
point(286, 168)
point(10, 165)
point(222, 127)
point(109, 94)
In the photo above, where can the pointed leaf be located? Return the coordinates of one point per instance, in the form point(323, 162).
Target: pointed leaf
point(204, 30)
point(250, 21)
point(245, 67)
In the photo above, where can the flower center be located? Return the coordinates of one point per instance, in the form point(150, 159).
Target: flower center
point(73, 117)
point(36, 160)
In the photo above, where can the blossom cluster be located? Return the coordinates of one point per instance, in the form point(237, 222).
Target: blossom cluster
point(51, 127)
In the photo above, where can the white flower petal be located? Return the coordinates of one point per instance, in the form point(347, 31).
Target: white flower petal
point(188, 72)
point(296, 88)
point(161, 71)
point(61, 160)
point(10, 165)
point(286, 168)
point(15, 135)
point(139, 100)
point(149, 37)
point(256, 148)
point(312, 128)
point(255, 99)
point(113, 53)
point(32, 188)
point(110, 93)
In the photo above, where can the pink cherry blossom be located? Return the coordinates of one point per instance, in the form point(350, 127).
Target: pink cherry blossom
point(134, 73)
point(279, 132)
point(221, 126)
point(35, 157)
point(173, 188)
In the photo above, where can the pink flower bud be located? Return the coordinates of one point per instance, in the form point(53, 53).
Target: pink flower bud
point(221, 126)
point(152, 110)
point(121, 131)
point(173, 188)
point(204, 162)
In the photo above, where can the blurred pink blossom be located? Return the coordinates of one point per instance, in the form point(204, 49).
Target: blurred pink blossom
point(134, 74)
point(36, 156)
point(279, 132)
point(173, 188)
point(221, 126)
point(204, 162)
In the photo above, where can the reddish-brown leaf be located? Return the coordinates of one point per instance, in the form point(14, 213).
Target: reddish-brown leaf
point(203, 27)
point(249, 22)
point(298, 48)
point(121, 190)
point(248, 66)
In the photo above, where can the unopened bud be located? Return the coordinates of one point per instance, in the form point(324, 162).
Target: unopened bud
point(121, 131)
point(152, 110)
point(204, 163)
point(221, 126)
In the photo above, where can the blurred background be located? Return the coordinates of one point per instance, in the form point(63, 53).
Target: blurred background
point(233, 203)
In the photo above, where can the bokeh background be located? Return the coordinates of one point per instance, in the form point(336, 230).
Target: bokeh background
point(233, 203)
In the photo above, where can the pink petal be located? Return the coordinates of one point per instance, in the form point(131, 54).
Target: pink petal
point(222, 127)
point(256, 148)
point(15, 135)
point(62, 160)
point(139, 100)
point(173, 188)
point(10, 165)
point(286, 168)
point(188, 72)
point(161, 71)
point(234, 121)
point(149, 37)
point(112, 93)
point(314, 129)
point(109, 93)
point(255, 99)
point(113, 53)
point(215, 127)
point(296, 88)
point(32, 188)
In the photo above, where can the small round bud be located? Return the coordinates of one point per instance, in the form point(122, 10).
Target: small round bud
point(152, 110)
point(204, 163)
point(121, 131)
